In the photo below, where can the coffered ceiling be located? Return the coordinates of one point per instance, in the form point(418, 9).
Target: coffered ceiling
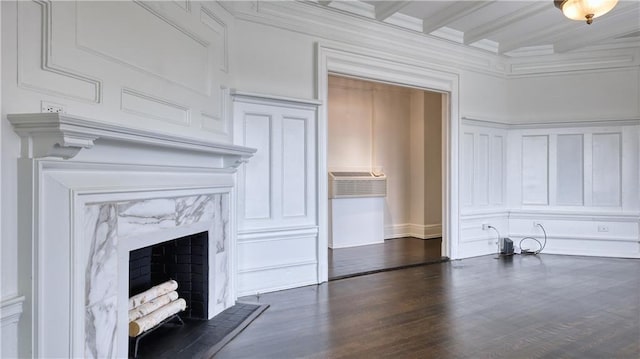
point(509, 27)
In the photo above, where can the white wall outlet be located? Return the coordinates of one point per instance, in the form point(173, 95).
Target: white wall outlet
point(536, 223)
point(51, 107)
point(603, 228)
point(485, 226)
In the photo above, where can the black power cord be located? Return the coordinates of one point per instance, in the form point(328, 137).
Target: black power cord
point(542, 245)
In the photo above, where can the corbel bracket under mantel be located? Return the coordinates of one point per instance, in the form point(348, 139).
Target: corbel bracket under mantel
point(56, 135)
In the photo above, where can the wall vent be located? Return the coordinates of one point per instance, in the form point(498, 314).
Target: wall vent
point(357, 184)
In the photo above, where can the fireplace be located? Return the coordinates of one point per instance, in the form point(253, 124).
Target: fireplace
point(185, 260)
point(98, 195)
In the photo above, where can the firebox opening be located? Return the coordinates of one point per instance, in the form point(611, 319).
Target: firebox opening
point(185, 260)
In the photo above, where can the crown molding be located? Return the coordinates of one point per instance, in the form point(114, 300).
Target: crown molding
point(399, 36)
point(64, 136)
point(328, 24)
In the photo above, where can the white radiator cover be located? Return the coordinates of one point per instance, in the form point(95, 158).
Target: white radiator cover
point(357, 184)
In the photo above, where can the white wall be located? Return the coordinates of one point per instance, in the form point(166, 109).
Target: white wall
point(163, 66)
point(574, 96)
point(274, 61)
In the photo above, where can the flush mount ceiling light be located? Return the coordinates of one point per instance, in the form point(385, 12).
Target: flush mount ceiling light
point(585, 9)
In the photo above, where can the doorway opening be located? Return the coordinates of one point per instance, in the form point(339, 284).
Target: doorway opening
point(394, 132)
point(357, 62)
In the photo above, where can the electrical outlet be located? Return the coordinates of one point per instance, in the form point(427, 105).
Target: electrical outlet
point(51, 107)
point(536, 223)
point(485, 226)
point(603, 228)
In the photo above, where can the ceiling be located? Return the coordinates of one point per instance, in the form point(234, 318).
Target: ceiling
point(508, 27)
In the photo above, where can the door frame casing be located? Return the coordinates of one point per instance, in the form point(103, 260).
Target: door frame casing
point(351, 61)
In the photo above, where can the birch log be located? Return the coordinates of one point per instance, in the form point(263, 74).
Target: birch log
point(152, 293)
point(148, 307)
point(149, 321)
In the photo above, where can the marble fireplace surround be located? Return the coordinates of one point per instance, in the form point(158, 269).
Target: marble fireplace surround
point(92, 192)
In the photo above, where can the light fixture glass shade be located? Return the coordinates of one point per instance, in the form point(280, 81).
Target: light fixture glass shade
point(585, 9)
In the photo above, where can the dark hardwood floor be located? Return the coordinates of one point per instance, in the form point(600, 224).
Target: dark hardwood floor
point(543, 306)
point(393, 253)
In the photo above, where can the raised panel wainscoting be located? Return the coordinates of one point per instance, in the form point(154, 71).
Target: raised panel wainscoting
point(578, 179)
point(277, 223)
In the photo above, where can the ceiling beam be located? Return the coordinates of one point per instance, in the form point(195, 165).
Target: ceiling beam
point(384, 9)
point(603, 28)
point(535, 36)
point(487, 29)
point(451, 13)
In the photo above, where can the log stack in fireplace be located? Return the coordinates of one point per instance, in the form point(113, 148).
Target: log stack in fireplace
point(154, 307)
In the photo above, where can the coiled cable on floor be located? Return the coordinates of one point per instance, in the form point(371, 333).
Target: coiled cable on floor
point(496, 229)
point(541, 245)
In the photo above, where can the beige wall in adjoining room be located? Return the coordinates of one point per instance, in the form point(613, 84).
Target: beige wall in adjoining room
point(373, 125)
point(417, 158)
point(432, 157)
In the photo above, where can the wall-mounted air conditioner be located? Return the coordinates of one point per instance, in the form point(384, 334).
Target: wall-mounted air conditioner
point(357, 184)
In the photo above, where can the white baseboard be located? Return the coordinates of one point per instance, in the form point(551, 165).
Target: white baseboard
point(264, 280)
point(413, 230)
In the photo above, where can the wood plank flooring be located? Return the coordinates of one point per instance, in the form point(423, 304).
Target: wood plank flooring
point(543, 306)
point(393, 253)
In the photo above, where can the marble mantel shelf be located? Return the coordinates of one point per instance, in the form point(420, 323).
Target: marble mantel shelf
point(64, 136)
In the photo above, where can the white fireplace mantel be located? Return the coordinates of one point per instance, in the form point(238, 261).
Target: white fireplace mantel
point(64, 136)
point(90, 193)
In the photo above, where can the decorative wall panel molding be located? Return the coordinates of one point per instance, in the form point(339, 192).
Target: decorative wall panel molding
point(483, 158)
point(208, 18)
point(535, 170)
point(295, 171)
point(277, 258)
point(183, 4)
point(145, 105)
point(172, 63)
point(468, 165)
point(277, 195)
point(258, 176)
point(37, 69)
point(566, 164)
point(569, 170)
point(481, 192)
point(278, 185)
point(143, 27)
point(497, 173)
point(606, 169)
